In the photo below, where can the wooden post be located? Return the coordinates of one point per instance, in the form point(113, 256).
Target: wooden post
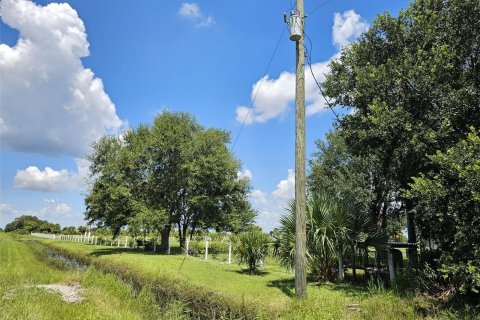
point(229, 253)
point(126, 241)
point(206, 248)
point(154, 245)
point(118, 241)
point(300, 163)
point(391, 266)
point(187, 243)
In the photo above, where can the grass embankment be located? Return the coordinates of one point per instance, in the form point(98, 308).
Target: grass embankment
point(212, 288)
point(23, 265)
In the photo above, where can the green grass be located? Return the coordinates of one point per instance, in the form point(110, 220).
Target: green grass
point(23, 265)
point(271, 293)
point(212, 289)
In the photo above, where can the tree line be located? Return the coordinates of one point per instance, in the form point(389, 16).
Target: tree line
point(26, 224)
point(407, 152)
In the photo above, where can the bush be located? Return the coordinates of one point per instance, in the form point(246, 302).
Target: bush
point(251, 248)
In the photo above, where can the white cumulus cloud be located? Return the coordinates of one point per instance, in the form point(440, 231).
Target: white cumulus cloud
point(7, 214)
point(347, 27)
point(285, 188)
point(275, 96)
point(271, 205)
point(245, 174)
point(51, 103)
point(54, 208)
point(32, 178)
point(192, 12)
point(50, 180)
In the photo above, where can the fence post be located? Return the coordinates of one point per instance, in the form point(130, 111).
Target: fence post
point(186, 245)
point(229, 253)
point(126, 241)
point(391, 266)
point(206, 248)
point(118, 241)
point(154, 245)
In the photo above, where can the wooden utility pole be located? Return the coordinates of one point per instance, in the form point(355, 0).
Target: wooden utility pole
point(300, 162)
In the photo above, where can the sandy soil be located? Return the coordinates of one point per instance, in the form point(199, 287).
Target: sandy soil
point(70, 293)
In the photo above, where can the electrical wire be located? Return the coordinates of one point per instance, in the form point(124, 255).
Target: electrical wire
point(258, 88)
point(309, 59)
point(318, 7)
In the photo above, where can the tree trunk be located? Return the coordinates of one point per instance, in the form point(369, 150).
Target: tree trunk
point(184, 234)
point(341, 271)
point(192, 231)
point(181, 236)
point(165, 238)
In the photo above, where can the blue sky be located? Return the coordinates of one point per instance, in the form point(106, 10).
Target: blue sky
point(73, 71)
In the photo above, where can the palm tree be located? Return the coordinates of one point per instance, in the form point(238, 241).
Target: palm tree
point(251, 248)
point(332, 225)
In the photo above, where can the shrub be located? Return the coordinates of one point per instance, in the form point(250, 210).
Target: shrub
point(251, 248)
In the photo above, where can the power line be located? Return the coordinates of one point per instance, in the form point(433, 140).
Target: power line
point(318, 7)
point(309, 59)
point(258, 88)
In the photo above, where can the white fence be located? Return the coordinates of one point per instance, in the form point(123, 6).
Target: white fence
point(102, 240)
point(43, 235)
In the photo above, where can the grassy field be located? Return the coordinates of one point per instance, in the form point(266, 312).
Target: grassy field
point(208, 289)
point(269, 294)
point(24, 265)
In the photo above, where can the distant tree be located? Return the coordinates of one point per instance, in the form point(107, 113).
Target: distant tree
point(27, 224)
point(81, 229)
point(69, 230)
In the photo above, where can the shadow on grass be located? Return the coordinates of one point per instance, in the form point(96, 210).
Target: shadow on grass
point(349, 289)
point(285, 285)
point(246, 272)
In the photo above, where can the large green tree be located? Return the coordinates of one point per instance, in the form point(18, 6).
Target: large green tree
point(412, 83)
point(176, 172)
point(449, 196)
point(194, 177)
